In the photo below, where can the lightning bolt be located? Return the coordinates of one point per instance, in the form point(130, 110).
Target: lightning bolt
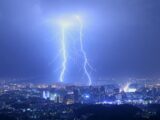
point(61, 78)
point(85, 63)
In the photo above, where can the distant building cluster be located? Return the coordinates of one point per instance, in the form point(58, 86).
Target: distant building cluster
point(41, 100)
point(107, 94)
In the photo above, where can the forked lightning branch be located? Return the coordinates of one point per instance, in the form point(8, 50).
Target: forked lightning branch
point(64, 25)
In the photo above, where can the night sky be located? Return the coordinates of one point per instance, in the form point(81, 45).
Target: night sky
point(122, 38)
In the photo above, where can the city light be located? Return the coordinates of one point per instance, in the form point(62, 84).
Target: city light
point(87, 96)
point(127, 88)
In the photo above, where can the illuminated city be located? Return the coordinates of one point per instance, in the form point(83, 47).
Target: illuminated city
point(79, 60)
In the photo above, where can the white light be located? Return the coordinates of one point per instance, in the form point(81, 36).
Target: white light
point(128, 89)
point(55, 95)
point(64, 24)
point(132, 90)
point(86, 96)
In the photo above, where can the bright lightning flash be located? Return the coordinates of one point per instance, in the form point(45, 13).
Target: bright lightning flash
point(64, 24)
point(86, 63)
